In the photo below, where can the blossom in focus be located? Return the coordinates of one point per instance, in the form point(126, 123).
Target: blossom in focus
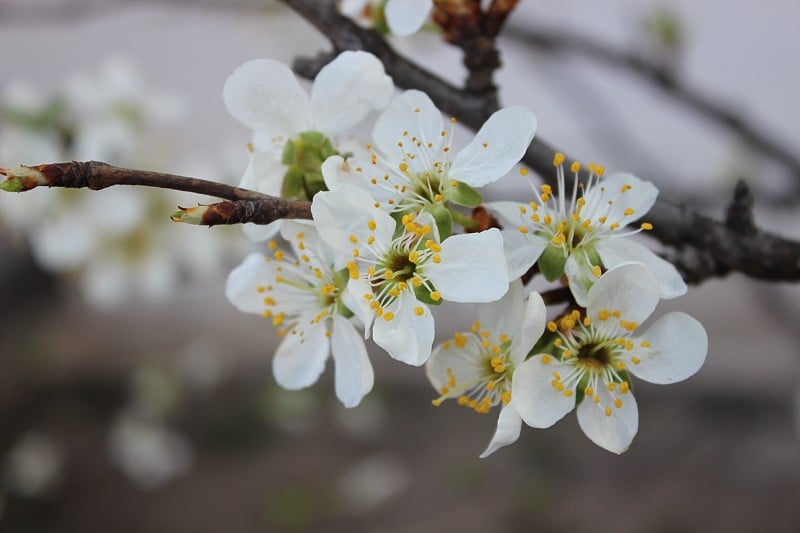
point(294, 132)
point(593, 354)
point(583, 235)
point(412, 165)
point(304, 297)
point(396, 275)
point(476, 367)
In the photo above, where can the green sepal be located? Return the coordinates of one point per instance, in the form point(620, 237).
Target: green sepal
point(293, 186)
point(341, 278)
point(424, 296)
point(505, 346)
point(314, 183)
point(463, 194)
point(551, 262)
point(544, 345)
point(287, 156)
point(444, 220)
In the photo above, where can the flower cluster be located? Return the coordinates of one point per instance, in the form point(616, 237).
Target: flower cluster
point(386, 247)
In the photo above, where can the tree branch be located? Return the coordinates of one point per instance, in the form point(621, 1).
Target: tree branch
point(703, 247)
point(663, 79)
point(244, 205)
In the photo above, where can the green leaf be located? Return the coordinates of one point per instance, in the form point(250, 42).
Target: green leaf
point(551, 263)
point(444, 221)
point(463, 194)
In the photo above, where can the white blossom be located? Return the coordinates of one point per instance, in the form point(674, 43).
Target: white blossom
point(304, 297)
point(476, 367)
point(594, 353)
point(394, 278)
point(583, 235)
point(294, 131)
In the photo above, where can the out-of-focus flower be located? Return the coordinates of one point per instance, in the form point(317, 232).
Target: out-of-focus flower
point(373, 481)
point(34, 465)
point(584, 235)
point(593, 354)
point(393, 279)
point(304, 297)
point(148, 452)
point(400, 17)
point(294, 132)
point(411, 167)
point(476, 367)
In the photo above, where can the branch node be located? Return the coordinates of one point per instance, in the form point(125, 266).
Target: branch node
point(739, 216)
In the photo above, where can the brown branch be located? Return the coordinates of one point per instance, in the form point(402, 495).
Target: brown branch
point(703, 247)
point(665, 80)
point(244, 205)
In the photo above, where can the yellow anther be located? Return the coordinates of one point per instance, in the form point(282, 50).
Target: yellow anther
point(388, 274)
point(476, 326)
point(614, 226)
point(453, 183)
point(552, 327)
point(575, 167)
point(611, 386)
point(618, 403)
point(437, 259)
point(596, 398)
point(491, 385)
point(436, 296)
point(587, 321)
point(558, 159)
point(546, 359)
point(355, 252)
point(608, 411)
point(279, 255)
point(625, 188)
point(628, 212)
point(413, 256)
point(353, 239)
point(503, 338)
point(522, 229)
point(394, 292)
point(523, 171)
point(416, 281)
point(272, 245)
point(277, 320)
point(597, 271)
point(557, 343)
point(446, 345)
point(437, 197)
point(602, 220)
point(568, 393)
point(545, 197)
point(261, 288)
point(646, 226)
point(558, 239)
point(645, 344)
point(624, 387)
point(600, 170)
point(546, 189)
point(460, 339)
point(548, 219)
point(462, 400)
point(403, 167)
point(617, 313)
point(522, 209)
point(620, 365)
point(267, 313)
point(535, 218)
point(269, 301)
point(588, 391)
point(635, 360)
point(505, 397)
point(419, 311)
point(372, 225)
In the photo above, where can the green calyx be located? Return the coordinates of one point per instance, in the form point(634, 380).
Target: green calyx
point(304, 156)
point(12, 184)
point(340, 280)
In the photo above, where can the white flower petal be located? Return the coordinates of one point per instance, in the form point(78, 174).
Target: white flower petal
point(473, 268)
point(522, 251)
point(613, 433)
point(347, 211)
point(508, 212)
point(533, 325)
point(465, 364)
point(354, 375)
point(614, 252)
point(300, 359)
point(353, 299)
point(407, 337)
point(580, 278)
point(497, 147)
point(413, 113)
point(678, 348)
point(244, 280)
point(505, 315)
point(405, 17)
point(261, 233)
point(538, 403)
point(509, 426)
point(264, 95)
point(640, 197)
point(320, 254)
point(630, 289)
point(347, 89)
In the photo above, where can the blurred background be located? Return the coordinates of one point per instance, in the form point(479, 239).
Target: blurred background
point(134, 397)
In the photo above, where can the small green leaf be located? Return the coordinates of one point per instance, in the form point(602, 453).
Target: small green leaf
point(551, 263)
point(463, 194)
